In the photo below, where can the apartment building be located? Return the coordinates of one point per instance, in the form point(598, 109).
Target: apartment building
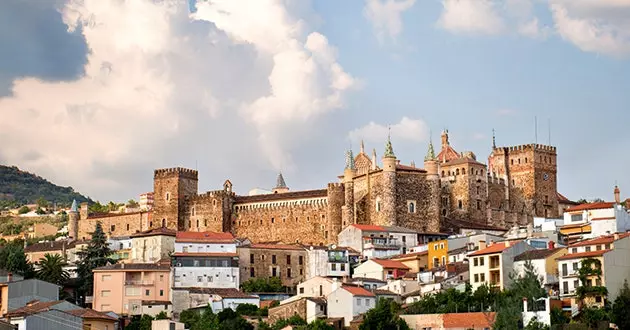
point(592, 220)
point(152, 245)
point(125, 288)
point(438, 253)
point(610, 252)
point(543, 262)
point(381, 269)
point(378, 241)
point(492, 264)
point(285, 261)
point(205, 260)
point(330, 261)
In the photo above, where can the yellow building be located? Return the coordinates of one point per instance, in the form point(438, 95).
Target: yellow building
point(41, 230)
point(438, 253)
point(416, 261)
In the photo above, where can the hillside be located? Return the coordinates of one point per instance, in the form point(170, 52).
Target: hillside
point(24, 188)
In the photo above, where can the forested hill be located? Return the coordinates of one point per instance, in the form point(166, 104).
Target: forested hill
point(24, 188)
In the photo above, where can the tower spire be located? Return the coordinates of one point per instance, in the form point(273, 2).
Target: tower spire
point(350, 160)
point(362, 147)
point(389, 150)
point(430, 152)
point(494, 140)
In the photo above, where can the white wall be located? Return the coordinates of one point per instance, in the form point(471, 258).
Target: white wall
point(211, 277)
point(616, 267)
point(539, 268)
point(115, 243)
point(369, 269)
point(351, 237)
point(343, 304)
point(401, 287)
point(232, 303)
point(205, 247)
point(314, 311)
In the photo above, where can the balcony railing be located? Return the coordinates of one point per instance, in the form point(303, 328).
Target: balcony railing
point(382, 242)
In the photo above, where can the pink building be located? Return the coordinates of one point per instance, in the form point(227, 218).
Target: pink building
point(132, 289)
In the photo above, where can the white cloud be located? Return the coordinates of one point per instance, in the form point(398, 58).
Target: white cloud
point(471, 16)
point(412, 130)
point(599, 27)
point(386, 16)
point(532, 29)
point(157, 79)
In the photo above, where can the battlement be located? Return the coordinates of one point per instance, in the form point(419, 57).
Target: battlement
point(176, 172)
point(494, 179)
point(335, 186)
point(524, 147)
point(209, 195)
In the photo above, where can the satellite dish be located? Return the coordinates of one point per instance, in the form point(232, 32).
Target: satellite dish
point(333, 246)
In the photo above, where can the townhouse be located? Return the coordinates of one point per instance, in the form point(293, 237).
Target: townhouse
point(378, 241)
point(492, 265)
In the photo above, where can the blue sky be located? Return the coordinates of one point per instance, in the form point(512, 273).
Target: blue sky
point(241, 90)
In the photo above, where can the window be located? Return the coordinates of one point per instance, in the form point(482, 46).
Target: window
point(607, 246)
point(161, 278)
point(476, 261)
point(333, 267)
point(300, 260)
point(598, 299)
point(262, 257)
point(288, 260)
point(482, 277)
point(127, 226)
point(251, 258)
point(273, 220)
point(588, 249)
point(441, 246)
point(358, 301)
point(197, 223)
point(565, 271)
point(443, 260)
point(105, 278)
point(478, 205)
point(342, 267)
point(565, 287)
point(367, 302)
point(168, 196)
point(476, 278)
point(147, 292)
point(288, 272)
point(575, 266)
point(435, 247)
point(378, 205)
point(251, 272)
point(576, 284)
point(576, 217)
point(411, 207)
point(574, 250)
point(274, 272)
point(199, 279)
point(161, 293)
point(112, 228)
point(460, 205)
point(273, 259)
point(481, 260)
point(105, 293)
point(192, 211)
point(301, 271)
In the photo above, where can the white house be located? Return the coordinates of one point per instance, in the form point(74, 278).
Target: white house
point(152, 245)
point(119, 243)
point(381, 269)
point(605, 218)
point(317, 286)
point(328, 261)
point(350, 301)
point(378, 241)
point(205, 260)
point(493, 264)
point(543, 262)
point(221, 299)
point(401, 286)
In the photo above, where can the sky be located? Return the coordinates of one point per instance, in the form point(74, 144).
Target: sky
point(97, 94)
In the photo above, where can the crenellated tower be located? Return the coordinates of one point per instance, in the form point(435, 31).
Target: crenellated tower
point(172, 188)
point(73, 221)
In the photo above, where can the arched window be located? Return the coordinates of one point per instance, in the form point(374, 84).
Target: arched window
point(463, 171)
point(444, 212)
point(197, 223)
point(163, 223)
point(150, 224)
point(512, 161)
point(378, 205)
point(525, 160)
point(442, 173)
point(457, 172)
point(127, 226)
point(519, 160)
point(168, 196)
point(412, 207)
point(192, 212)
point(460, 205)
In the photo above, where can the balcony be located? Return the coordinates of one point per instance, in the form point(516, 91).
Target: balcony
point(495, 262)
point(139, 283)
point(381, 242)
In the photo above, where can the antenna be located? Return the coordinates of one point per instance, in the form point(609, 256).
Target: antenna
point(494, 140)
point(535, 130)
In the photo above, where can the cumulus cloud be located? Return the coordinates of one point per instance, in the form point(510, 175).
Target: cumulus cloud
point(162, 87)
point(471, 16)
point(386, 16)
point(594, 26)
point(411, 130)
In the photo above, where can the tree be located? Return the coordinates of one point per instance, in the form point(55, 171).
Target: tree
point(161, 316)
point(13, 259)
point(383, 316)
point(140, 322)
point(132, 204)
point(50, 269)
point(42, 202)
point(24, 209)
point(621, 306)
point(319, 324)
point(272, 284)
point(97, 254)
point(590, 268)
point(40, 211)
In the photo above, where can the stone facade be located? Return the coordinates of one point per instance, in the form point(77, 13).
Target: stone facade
point(115, 224)
point(288, 262)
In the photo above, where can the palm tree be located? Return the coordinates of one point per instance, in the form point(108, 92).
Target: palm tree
point(50, 269)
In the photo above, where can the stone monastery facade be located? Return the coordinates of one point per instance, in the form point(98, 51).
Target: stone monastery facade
point(517, 184)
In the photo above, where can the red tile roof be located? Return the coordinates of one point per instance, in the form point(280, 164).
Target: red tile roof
point(204, 237)
point(447, 154)
point(358, 291)
point(205, 254)
point(495, 248)
point(155, 232)
point(368, 227)
point(390, 263)
point(33, 308)
point(86, 313)
point(583, 255)
point(603, 218)
point(591, 206)
point(562, 199)
point(468, 320)
point(600, 240)
point(275, 246)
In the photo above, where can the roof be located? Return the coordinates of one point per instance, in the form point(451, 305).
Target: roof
point(607, 239)
point(110, 215)
point(536, 254)
point(155, 302)
point(411, 255)
point(447, 154)
point(394, 229)
point(384, 293)
point(495, 248)
point(408, 168)
point(583, 255)
point(366, 279)
point(468, 320)
point(390, 263)
point(222, 292)
point(49, 246)
point(357, 291)
point(139, 266)
point(591, 206)
point(280, 181)
point(283, 196)
point(155, 232)
point(86, 313)
point(577, 225)
point(33, 308)
point(205, 254)
point(603, 218)
point(462, 160)
point(74, 207)
point(204, 237)
point(317, 300)
point(563, 200)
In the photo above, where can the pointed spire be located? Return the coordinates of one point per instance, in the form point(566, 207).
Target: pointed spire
point(389, 150)
point(280, 181)
point(412, 164)
point(373, 159)
point(74, 207)
point(362, 147)
point(350, 160)
point(430, 152)
point(494, 140)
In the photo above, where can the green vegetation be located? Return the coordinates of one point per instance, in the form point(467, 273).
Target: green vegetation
point(13, 259)
point(620, 308)
point(97, 254)
point(50, 269)
point(251, 310)
point(272, 284)
point(22, 187)
point(207, 320)
point(384, 316)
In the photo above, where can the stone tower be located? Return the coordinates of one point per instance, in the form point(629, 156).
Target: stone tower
point(347, 215)
point(281, 186)
point(171, 187)
point(73, 221)
point(433, 179)
point(388, 207)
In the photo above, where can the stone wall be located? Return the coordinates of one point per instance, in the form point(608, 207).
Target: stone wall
point(205, 212)
point(263, 265)
point(336, 195)
point(115, 224)
point(287, 310)
point(413, 187)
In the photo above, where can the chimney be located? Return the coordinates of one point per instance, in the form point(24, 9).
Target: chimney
point(482, 245)
point(507, 244)
point(617, 195)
